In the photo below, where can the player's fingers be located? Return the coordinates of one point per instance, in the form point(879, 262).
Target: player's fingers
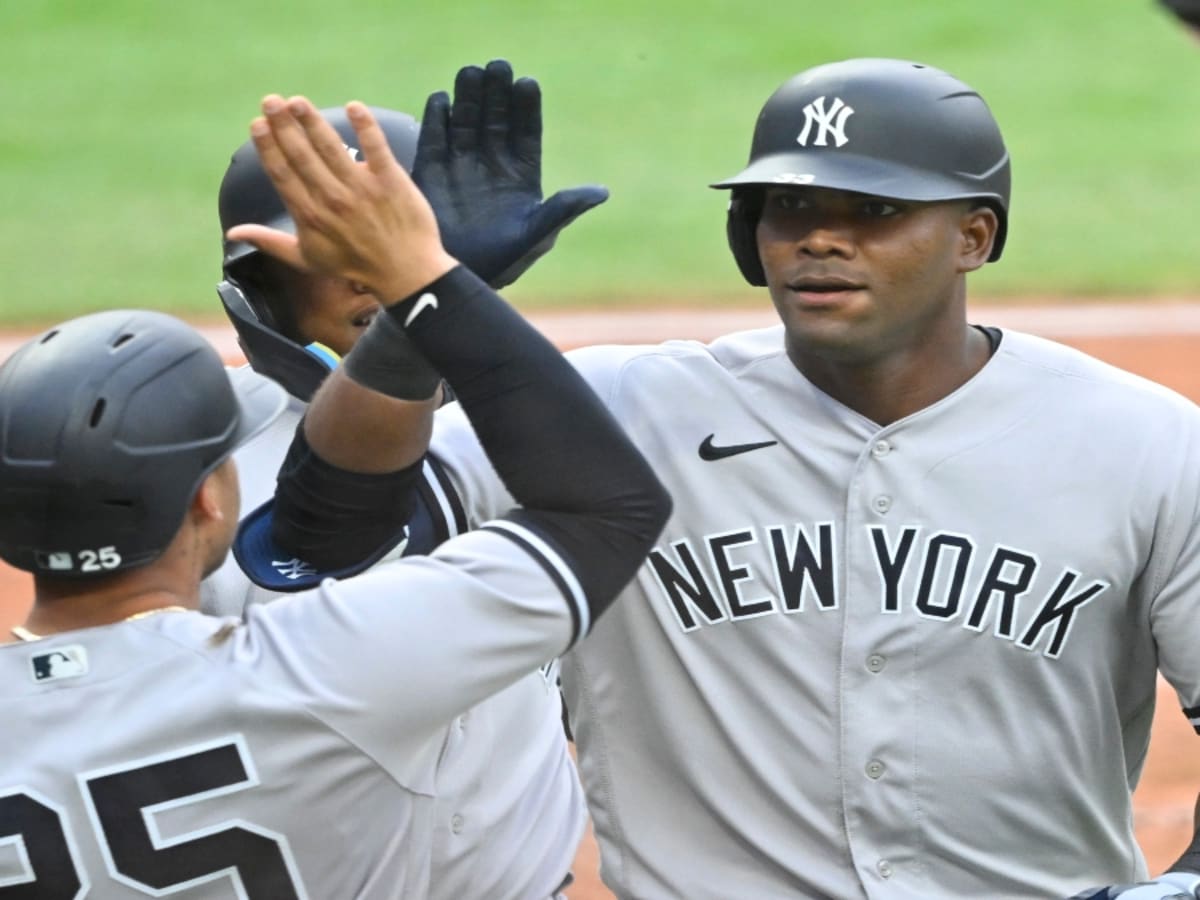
point(564, 208)
point(431, 142)
point(275, 163)
point(323, 179)
point(280, 244)
point(323, 138)
point(372, 141)
point(399, 191)
point(466, 108)
point(526, 127)
point(495, 112)
point(295, 150)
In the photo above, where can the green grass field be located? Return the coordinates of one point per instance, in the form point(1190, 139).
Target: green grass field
point(120, 116)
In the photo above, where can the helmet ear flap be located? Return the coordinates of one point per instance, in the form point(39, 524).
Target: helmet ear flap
point(745, 208)
point(299, 369)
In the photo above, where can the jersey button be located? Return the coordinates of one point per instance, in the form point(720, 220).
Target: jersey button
point(875, 769)
point(882, 503)
point(456, 823)
point(881, 449)
point(885, 868)
point(875, 663)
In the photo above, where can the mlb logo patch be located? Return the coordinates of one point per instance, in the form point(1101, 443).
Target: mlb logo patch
point(55, 665)
point(55, 561)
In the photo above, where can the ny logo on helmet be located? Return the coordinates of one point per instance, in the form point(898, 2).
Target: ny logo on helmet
point(829, 122)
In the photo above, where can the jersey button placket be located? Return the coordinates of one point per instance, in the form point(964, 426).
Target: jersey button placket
point(873, 793)
point(881, 503)
point(456, 823)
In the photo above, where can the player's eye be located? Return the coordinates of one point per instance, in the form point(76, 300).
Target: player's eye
point(875, 208)
point(787, 201)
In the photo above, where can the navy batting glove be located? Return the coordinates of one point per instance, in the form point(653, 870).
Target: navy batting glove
point(479, 163)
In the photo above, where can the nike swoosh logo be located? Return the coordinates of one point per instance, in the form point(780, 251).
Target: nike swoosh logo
point(424, 302)
point(709, 451)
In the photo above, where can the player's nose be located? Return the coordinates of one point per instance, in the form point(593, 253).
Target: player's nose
point(825, 235)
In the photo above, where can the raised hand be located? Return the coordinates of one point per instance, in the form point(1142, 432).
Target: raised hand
point(363, 221)
point(479, 161)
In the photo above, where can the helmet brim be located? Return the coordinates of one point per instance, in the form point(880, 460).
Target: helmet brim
point(859, 174)
point(260, 402)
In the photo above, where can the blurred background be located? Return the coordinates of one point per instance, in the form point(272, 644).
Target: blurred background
point(121, 115)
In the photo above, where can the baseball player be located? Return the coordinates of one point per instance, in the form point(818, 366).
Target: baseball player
point(166, 756)
point(900, 636)
point(510, 812)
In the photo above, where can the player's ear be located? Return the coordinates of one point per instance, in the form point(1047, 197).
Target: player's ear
point(205, 502)
point(977, 232)
point(208, 501)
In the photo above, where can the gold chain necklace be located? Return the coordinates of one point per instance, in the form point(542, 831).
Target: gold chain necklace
point(24, 634)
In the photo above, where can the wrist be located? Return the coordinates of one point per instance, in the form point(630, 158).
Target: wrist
point(447, 295)
point(416, 275)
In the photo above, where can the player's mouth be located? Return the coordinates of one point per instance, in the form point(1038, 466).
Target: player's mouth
point(365, 317)
point(823, 289)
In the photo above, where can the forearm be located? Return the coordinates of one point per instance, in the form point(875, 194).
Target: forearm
point(360, 430)
point(348, 483)
point(555, 445)
point(511, 381)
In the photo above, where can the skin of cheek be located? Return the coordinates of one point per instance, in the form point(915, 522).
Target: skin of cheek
point(911, 273)
point(325, 309)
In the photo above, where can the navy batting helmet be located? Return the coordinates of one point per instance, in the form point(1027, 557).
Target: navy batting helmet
point(247, 197)
point(108, 424)
point(886, 127)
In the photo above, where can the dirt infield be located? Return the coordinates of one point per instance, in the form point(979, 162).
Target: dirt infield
point(1161, 342)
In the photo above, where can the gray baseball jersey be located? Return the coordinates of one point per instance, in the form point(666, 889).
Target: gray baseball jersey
point(290, 756)
point(916, 661)
point(509, 813)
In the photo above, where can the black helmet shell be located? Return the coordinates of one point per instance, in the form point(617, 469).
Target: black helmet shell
point(108, 424)
point(886, 127)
